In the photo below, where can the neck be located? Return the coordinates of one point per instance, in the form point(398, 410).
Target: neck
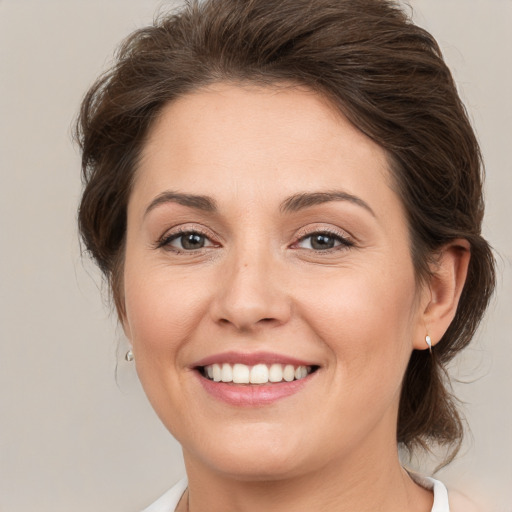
point(366, 482)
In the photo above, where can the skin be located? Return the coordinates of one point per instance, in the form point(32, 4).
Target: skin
point(258, 284)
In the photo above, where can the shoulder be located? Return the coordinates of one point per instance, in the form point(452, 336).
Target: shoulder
point(461, 503)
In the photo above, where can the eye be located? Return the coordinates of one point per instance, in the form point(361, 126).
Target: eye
point(186, 241)
point(323, 241)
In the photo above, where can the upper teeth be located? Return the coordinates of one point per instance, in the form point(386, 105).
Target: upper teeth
point(257, 374)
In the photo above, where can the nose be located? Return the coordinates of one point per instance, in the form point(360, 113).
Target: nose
point(251, 294)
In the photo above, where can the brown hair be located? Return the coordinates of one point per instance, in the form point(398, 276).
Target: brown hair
point(385, 74)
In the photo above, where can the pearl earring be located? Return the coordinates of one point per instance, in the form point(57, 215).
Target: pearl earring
point(428, 341)
point(129, 356)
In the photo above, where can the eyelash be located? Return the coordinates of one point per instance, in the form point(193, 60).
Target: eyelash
point(343, 241)
point(166, 239)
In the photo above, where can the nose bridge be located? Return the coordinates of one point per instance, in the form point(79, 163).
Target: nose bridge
point(250, 293)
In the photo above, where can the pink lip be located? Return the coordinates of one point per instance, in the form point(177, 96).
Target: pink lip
point(251, 359)
point(252, 395)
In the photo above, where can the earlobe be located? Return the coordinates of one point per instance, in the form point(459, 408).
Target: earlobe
point(126, 328)
point(123, 319)
point(448, 276)
point(121, 314)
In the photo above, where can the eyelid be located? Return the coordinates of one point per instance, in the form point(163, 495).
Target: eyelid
point(302, 234)
point(175, 232)
point(340, 243)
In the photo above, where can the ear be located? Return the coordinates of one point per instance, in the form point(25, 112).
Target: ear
point(126, 328)
point(122, 317)
point(442, 292)
point(120, 305)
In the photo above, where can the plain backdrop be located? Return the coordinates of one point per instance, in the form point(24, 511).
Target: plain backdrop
point(76, 432)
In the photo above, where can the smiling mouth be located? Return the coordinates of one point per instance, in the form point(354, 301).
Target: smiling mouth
point(256, 374)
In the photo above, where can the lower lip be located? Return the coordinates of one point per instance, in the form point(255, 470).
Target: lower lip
point(252, 395)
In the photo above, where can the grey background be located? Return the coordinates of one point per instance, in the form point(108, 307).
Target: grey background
point(72, 437)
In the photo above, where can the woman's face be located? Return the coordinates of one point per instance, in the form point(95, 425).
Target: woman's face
point(263, 237)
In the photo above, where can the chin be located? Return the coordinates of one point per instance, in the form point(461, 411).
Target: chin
point(259, 469)
point(255, 457)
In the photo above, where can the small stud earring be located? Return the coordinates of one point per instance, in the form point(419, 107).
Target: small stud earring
point(428, 342)
point(129, 356)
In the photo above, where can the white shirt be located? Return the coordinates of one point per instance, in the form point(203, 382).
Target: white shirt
point(169, 501)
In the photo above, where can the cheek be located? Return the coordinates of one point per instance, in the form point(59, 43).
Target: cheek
point(161, 310)
point(366, 319)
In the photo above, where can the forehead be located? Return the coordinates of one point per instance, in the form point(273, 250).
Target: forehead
point(267, 140)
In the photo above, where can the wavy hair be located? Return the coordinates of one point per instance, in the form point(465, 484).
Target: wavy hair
point(384, 73)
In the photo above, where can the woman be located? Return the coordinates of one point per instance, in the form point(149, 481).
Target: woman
point(286, 198)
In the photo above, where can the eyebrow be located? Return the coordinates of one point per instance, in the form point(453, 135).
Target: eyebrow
point(203, 203)
point(291, 204)
point(306, 200)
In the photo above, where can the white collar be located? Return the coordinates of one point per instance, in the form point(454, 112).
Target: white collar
point(169, 501)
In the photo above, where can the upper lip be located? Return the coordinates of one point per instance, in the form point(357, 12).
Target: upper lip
point(251, 359)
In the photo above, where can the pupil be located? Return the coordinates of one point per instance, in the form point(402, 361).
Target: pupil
point(192, 241)
point(322, 242)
